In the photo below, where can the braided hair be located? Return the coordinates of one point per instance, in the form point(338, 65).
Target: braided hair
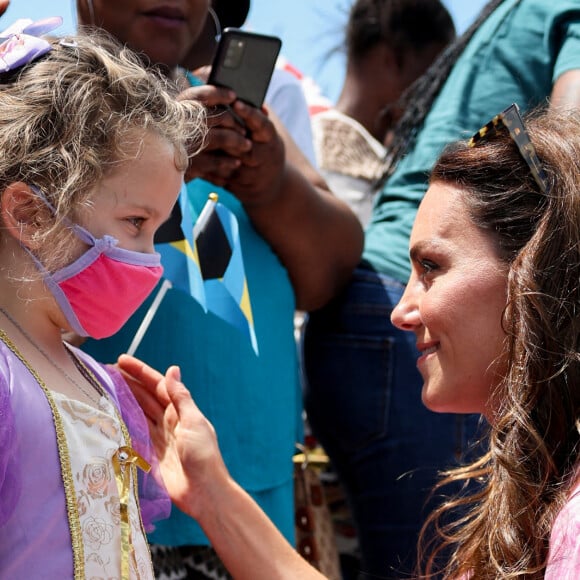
point(404, 25)
point(420, 96)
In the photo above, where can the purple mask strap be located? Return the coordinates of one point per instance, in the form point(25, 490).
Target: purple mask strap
point(81, 232)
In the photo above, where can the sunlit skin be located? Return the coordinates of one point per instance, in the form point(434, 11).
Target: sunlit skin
point(454, 302)
point(129, 204)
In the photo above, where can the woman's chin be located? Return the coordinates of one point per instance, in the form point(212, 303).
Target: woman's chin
point(445, 403)
point(439, 402)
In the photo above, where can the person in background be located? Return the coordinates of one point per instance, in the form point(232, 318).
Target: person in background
point(389, 44)
point(299, 243)
point(492, 301)
point(362, 381)
point(284, 97)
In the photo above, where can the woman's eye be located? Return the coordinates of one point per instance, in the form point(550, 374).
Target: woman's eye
point(428, 266)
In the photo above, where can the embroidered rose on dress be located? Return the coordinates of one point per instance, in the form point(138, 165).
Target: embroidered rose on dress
point(96, 477)
point(101, 565)
point(97, 532)
point(143, 567)
point(113, 507)
point(84, 413)
point(83, 503)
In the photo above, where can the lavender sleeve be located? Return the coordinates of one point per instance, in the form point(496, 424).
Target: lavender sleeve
point(10, 474)
point(154, 499)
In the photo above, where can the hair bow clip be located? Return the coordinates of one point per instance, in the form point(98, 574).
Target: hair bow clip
point(21, 44)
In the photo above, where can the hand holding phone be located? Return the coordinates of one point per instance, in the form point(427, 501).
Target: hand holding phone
point(244, 62)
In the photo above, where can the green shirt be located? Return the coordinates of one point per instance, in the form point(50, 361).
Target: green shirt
point(515, 56)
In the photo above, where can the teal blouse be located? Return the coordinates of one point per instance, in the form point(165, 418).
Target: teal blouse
point(515, 56)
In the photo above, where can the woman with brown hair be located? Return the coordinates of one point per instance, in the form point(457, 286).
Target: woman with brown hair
point(493, 300)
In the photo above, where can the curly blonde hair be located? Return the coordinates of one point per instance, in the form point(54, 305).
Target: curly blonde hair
point(71, 117)
point(503, 529)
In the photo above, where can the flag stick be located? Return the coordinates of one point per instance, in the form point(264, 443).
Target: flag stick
point(204, 215)
point(148, 317)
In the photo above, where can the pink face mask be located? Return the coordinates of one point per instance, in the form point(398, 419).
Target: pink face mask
point(100, 290)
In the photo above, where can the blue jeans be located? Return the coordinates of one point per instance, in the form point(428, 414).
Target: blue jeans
point(363, 403)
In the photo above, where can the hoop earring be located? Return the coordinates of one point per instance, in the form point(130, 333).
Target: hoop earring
point(216, 22)
point(91, 8)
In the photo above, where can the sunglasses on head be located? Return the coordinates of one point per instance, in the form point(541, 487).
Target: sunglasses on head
point(513, 122)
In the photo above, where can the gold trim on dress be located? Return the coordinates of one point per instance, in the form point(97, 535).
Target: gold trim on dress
point(124, 458)
point(65, 468)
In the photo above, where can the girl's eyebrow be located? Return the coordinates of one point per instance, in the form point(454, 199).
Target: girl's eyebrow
point(136, 205)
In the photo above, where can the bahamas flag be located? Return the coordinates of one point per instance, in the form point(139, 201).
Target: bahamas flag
point(205, 260)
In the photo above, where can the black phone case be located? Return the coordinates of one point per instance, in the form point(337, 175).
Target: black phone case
point(244, 62)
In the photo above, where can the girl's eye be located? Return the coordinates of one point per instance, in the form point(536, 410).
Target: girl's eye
point(136, 221)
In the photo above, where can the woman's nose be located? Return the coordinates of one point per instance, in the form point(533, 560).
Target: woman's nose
point(405, 315)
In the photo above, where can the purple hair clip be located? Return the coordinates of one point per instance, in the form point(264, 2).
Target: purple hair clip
point(20, 43)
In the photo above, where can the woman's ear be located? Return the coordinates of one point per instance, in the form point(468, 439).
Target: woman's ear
point(22, 213)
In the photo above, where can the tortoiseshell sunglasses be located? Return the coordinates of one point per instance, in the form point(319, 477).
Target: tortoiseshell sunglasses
point(513, 122)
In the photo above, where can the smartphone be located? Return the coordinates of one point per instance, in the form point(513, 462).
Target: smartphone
point(244, 62)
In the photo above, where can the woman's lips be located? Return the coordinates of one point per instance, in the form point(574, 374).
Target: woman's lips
point(166, 16)
point(426, 350)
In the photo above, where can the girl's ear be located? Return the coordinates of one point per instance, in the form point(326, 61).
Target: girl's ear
point(22, 213)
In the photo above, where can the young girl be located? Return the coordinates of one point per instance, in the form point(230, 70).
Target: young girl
point(94, 150)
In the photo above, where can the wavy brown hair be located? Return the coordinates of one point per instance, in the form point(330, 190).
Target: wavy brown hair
point(71, 117)
point(503, 529)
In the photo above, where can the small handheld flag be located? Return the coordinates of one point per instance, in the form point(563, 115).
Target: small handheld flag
point(205, 261)
point(219, 256)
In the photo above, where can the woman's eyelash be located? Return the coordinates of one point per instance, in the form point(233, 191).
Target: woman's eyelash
point(428, 266)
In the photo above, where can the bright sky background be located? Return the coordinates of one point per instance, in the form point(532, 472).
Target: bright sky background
point(311, 30)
